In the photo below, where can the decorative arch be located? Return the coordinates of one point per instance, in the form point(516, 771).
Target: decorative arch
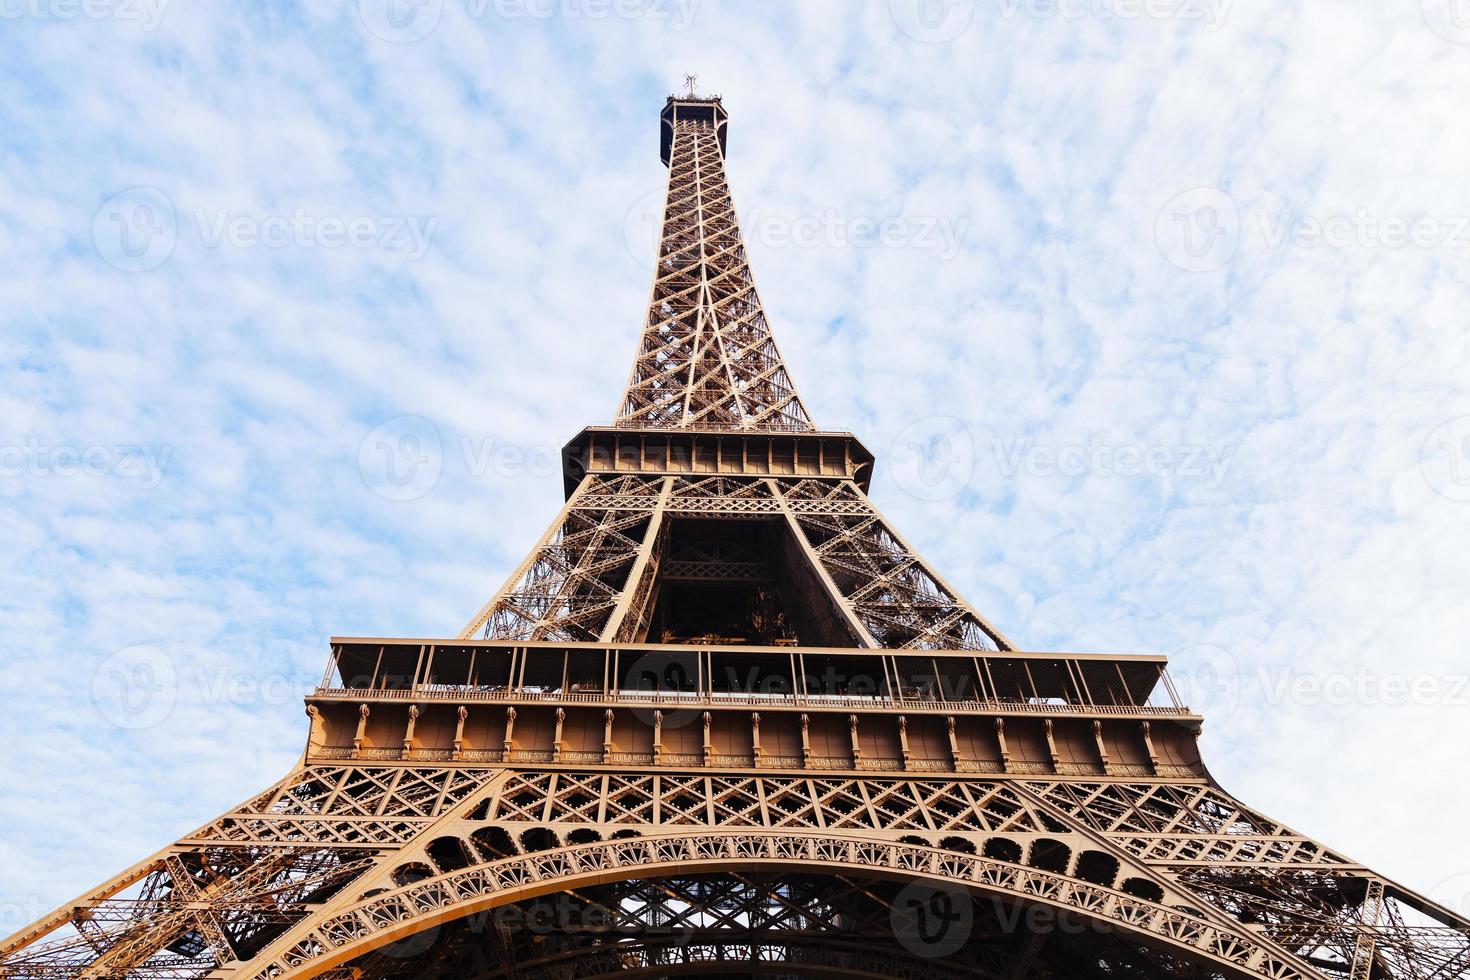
point(816, 956)
point(343, 934)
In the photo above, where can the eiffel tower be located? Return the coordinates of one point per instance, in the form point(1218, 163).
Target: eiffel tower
point(724, 720)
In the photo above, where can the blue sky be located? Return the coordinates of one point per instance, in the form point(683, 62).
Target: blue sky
point(1155, 317)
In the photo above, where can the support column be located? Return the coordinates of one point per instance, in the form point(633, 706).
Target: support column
point(463, 714)
point(839, 601)
point(1148, 745)
point(1102, 749)
point(625, 613)
point(1367, 944)
point(413, 720)
point(363, 712)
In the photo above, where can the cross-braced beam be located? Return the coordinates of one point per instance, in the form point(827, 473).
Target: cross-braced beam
point(707, 358)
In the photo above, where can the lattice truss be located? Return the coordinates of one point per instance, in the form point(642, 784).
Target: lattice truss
point(707, 358)
point(335, 855)
point(593, 576)
point(1137, 838)
point(737, 922)
point(223, 893)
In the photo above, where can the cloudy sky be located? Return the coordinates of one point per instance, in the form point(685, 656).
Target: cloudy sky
point(1155, 315)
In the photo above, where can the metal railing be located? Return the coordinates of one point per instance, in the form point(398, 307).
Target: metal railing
point(689, 699)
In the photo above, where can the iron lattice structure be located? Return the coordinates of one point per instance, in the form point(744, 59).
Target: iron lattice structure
point(724, 720)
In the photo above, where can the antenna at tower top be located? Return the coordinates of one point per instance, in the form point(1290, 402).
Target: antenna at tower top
point(690, 80)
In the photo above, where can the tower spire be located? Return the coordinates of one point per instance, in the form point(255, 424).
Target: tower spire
point(707, 358)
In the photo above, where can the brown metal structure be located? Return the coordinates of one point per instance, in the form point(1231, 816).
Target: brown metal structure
point(724, 720)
